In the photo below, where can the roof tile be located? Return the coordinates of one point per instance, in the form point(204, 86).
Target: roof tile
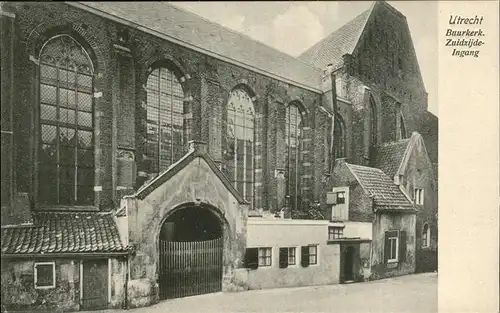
point(380, 186)
point(63, 232)
point(388, 157)
point(342, 41)
point(192, 29)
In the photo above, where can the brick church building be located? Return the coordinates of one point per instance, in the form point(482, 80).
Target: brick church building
point(125, 124)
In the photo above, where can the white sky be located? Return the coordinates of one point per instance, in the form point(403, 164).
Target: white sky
point(292, 27)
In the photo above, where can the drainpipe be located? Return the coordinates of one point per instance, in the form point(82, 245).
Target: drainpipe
point(127, 277)
point(334, 109)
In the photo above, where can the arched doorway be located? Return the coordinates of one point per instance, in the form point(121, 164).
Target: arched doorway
point(191, 246)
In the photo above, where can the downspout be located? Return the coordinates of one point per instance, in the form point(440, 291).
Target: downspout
point(127, 277)
point(334, 109)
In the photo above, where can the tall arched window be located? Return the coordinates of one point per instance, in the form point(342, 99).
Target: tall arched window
point(293, 133)
point(373, 123)
point(165, 121)
point(240, 142)
point(339, 137)
point(66, 155)
point(426, 236)
point(402, 128)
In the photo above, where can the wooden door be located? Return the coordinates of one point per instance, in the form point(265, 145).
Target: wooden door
point(95, 284)
point(349, 264)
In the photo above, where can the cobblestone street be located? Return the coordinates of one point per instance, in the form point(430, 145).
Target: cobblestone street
point(413, 293)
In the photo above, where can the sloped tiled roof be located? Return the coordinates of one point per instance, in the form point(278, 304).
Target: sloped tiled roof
point(388, 157)
point(380, 186)
point(63, 232)
point(342, 41)
point(191, 29)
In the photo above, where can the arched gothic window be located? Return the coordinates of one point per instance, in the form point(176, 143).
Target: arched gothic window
point(165, 122)
point(240, 140)
point(293, 137)
point(402, 128)
point(426, 236)
point(339, 137)
point(373, 123)
point(66, 151)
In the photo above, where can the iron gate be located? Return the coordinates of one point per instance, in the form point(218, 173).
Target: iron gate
point(190, 268)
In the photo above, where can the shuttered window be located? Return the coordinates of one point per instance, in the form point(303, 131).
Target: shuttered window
point(252, 258)
point(287, 257)
point(395, 246)
point(265, 256)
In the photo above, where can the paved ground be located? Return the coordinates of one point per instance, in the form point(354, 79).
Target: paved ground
point(412, 293)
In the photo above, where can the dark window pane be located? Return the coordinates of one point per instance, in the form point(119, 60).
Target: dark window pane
point(67, 194)
point(48, 154)
point(48, 94)
point(86, 158)
point(66, 155)
point(85, 177)
point(45, 275)
point(47, 181)
point(86, 195)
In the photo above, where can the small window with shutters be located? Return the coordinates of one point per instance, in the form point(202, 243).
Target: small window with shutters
point(287, 257)
point(395, 246)
point(265, 256)
point(252, 258)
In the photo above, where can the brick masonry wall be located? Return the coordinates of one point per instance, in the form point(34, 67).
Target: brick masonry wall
point(121, 77)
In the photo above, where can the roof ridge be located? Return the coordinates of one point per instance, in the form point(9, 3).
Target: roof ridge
point(394, 142)
point(363, 166)
point(325, 40)
point(362, 29)
point(240, 33)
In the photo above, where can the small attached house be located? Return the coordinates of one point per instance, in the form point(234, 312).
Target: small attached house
point(67, 261)
point(365, 199)
point(408, 164)
point(286, 252)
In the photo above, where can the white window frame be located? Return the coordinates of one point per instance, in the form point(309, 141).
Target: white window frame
point(396, 257)
point(419, 196)
point(295, 254)
point(334, 228)
point(428, 236)
point(317, 255)
point(259, 257)
point(53, 275)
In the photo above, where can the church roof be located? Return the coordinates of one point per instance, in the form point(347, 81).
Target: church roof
point(385, 193)
point(342, 41)
point(197, 33)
